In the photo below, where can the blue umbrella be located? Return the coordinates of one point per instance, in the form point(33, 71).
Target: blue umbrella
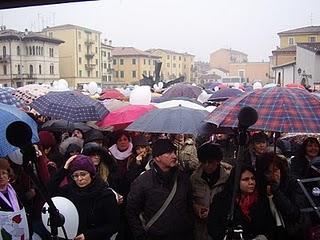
point(224, 94)
point(69, 105)
point(10, 114)
point(7, 97)
point(170, 120)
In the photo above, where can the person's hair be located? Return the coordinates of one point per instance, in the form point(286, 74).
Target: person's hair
point(119, 134)
point(5, 165)
point(209, 152)
point(302, 152)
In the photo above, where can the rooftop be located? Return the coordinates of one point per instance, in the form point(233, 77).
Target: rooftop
point(131, 51)
point(286, 49)
point(69, 26)
point(168, 51)
point(313, 47)
point(302, 30)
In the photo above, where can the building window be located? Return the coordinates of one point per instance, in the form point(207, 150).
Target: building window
point(4, 51)
point(105, 65)
point(19, 69)
point(241, 73)
point(144, 61)
point(19, 84)
point(88, 73)
point(168, 57)
point(37, 50)
point(80, 60)
point(134, 74)
point(79, 47)
point(174, 57)
point(31, 70)
point(133, 61)
point(51, 70)
point(5, 69)
point(18, 51)
point(26, 50)
point(79, 35)
point(30, 50)
point(80, 73)
point(121, 74)
point(109, 65)
point(168, 64)
point(174, 65)
point(291, 40)
point(40, 72)
point(33, 50)
point(116, 74)
point(184, 66)
point(179, 58)
point(50, 52)
point(312, 39)
point(184, 59)
point(50, 34)
point(41, 51)
point(97, 74)
point(96, 50)
point(114, 61)
point(149, 62)
point(121, 61)
point(154, 62)
point(96, 61)
point(109, 78)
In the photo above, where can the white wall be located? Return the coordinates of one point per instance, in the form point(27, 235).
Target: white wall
point(309, 63)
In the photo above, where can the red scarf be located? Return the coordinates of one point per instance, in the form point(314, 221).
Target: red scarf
point(246, 203)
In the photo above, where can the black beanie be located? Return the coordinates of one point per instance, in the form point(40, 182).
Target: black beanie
point(209, 152)
point(162, 146)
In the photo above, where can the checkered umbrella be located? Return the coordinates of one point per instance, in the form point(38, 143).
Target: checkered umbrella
point(31, 92)
point(280, 110)
point(6, 97)
point(69, 105)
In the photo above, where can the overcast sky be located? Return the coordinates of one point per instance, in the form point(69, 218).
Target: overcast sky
point(198, 27)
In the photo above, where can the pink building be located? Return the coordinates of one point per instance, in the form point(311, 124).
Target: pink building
point(252, 71)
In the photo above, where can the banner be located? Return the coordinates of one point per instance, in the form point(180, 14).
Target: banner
point(14, 225)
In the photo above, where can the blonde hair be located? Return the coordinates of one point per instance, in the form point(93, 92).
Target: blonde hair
point(103, 171)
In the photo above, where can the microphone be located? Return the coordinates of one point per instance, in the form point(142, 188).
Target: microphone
point(19, 134)
point(247, 117)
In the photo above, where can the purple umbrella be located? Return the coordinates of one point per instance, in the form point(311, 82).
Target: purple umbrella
point(224, 94)
point(69, 105)
point(182, 90)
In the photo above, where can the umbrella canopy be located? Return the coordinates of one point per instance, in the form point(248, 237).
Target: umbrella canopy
point(112, 94)
point(182, 90)
point(269, 85)
point(280, 109)
point(184, 103)
point(225, 94)
point(124, 115)
point(170, 120)
point(114, 104)
point(69, 105)
point(10, 114)
point(29, 93)
point(6, 97)
point(63, 125)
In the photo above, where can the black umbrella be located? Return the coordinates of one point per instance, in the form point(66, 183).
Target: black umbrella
point(63, 125)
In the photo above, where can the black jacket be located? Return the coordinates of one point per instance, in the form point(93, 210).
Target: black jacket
point(96, 204)
point(148, 193)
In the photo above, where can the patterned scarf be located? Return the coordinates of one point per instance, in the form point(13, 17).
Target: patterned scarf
point(246, 203)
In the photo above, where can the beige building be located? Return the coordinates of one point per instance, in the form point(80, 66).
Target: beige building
point(27, 57)
point(222, 58)
point(130, 63)
point(80, 60)
point(106, 63)
point(175, 64)
point(252, 71)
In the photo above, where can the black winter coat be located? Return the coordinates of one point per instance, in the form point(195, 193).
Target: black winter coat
point(148, 193)
point(96, 204)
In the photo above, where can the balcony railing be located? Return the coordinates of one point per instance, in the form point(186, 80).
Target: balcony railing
point(4, 58)
point(89, 55)
point(90, 66)
point(89, 42)
point(24, 76)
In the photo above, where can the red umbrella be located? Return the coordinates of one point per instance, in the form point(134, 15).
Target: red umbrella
point(112, 94)
point(280, 109)
point(125, 115)
point(295, 85)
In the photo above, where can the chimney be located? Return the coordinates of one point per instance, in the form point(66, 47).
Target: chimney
point(26, 31)
point(110, 42)
point(106, 41)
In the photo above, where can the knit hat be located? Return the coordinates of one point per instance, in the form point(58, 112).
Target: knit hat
point(259, 137)
point(82, 162)
point(209, 152)
point(93, 135)
point(162, 146)
point(47, 139)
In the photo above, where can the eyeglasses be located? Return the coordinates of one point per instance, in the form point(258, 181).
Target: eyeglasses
point(81, 174)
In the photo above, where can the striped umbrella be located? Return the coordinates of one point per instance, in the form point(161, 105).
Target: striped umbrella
point(280, 109)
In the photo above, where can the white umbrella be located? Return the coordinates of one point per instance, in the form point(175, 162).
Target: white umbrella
point(183, 103)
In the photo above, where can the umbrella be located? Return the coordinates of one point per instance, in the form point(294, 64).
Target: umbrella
point(63, 125)
point(269, 85)
point(69, 105)
point(184, 103)
point(114, 104)
point(295, 85)
point(170, 120)
point(6, 97)
point(29, 93)
point(10, 114)
point(112, 94)
point(125, 115)
point(280, 109)
point(224, 94)
point(182, 90)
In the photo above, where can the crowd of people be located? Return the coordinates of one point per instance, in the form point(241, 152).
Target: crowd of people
point(129, 185)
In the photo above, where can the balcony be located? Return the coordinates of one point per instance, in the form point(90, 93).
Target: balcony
point(89, 42)
point(24, 76)
point(4, 59)
point(90, 66)
point(89, 55)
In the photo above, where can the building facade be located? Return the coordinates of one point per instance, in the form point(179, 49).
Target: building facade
point(106, 63)
point(222, 58)
point(27, 57)
point(80, 60)
point(130, 64)
point(175, 64)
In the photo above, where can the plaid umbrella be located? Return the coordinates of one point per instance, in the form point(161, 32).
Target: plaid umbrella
point(280, 109)
point(6, 97)
point(31, 92)
point(224, 94)
point(182, 90)
point(170, 120)
point(10, 114)
point(69, 105)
